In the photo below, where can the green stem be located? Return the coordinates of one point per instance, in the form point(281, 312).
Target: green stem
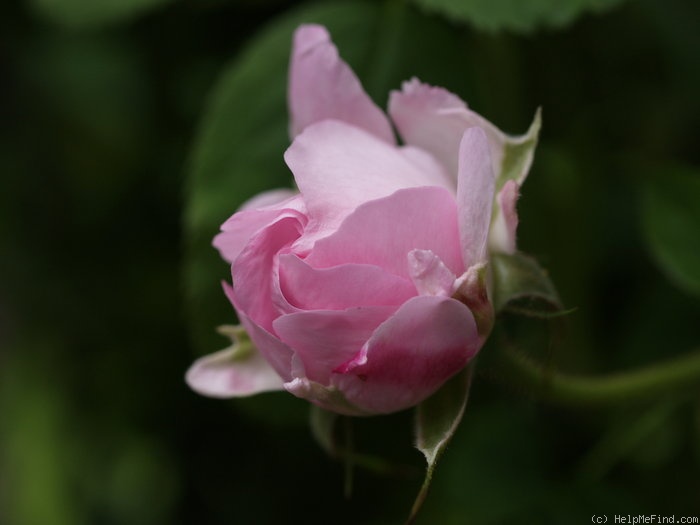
point(643, 383)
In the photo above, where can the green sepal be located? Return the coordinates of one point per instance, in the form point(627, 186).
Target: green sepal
point(521, 285)
point(437, 419)
point(518, 153)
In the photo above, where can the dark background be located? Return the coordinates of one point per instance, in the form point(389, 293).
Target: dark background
point(117, 163)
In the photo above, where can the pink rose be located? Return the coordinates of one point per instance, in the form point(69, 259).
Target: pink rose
point(365, 290)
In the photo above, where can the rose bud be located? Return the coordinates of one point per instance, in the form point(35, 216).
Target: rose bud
point(367, 289)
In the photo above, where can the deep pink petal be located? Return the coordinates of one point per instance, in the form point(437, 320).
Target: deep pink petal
point(383, 232)
point(410, 356)
point(255, 214)
point(505, 224)
point(325, 339)
point(429, 274)
point(338, 167)
point(475, 192)
point(434, 119)
point(322, 86)
point(222, 375)
point(275, 352)
point(340, 287)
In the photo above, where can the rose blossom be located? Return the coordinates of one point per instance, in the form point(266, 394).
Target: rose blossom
point(365, 290)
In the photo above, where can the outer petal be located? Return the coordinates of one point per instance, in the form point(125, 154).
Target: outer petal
point(254, 272)
point(338, 167)
point(255, 214)
point(223, 375)
point(410, 356)
point(434, 119)
point(325, 339)
point(322, 86)
point(475, 189)
point(505, 223)
point(275, 352)
point(340, 287)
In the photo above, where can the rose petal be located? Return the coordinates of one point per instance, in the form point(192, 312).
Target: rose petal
point(221, 374)
point(255, 270)
point(340, 287)
point(322, 86)
point(338, 167)
point(475, 189)
point(434, 119)
point(244, 224)
point(410, 356)
point(505, 224)
point(382, 232)
point(325, 339)
point(275, 352)
point(429, 274)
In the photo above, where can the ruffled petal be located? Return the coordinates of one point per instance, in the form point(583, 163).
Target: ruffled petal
point(382, 232)
point(255, 214)
point(339, 167)
point(410, 356)
point(322, 86)
point(254, 271)
point(325, 339)
point(434, 119)
point(475, 192)
point(340, 287)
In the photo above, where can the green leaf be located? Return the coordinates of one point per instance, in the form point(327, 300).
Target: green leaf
point(437, 419)
point(91, 13)
point(670, 205)
point(240, 145)
point(520, 285)
point(520, 16)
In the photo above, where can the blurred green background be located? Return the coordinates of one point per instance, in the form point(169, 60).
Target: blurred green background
point(132, 129)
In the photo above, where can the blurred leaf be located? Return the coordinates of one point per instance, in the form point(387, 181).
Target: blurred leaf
point(91, 13)
point(671, 221)
point(437, 419)
point(648, 437)
point(241, 141)
point(522, 286)
point(515, 15)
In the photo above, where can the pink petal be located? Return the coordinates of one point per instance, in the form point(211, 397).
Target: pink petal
point(254, 271)
point(325, 339)
point(382, 232)
point(223, 375)
point(338, 167)
point(475, 189)
point(275, 352)
point(322, 86)
point(255, 214)
point(434, 119)
point(410, 356)
point(505, 224)
point(340, 287)
point(429, 274)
